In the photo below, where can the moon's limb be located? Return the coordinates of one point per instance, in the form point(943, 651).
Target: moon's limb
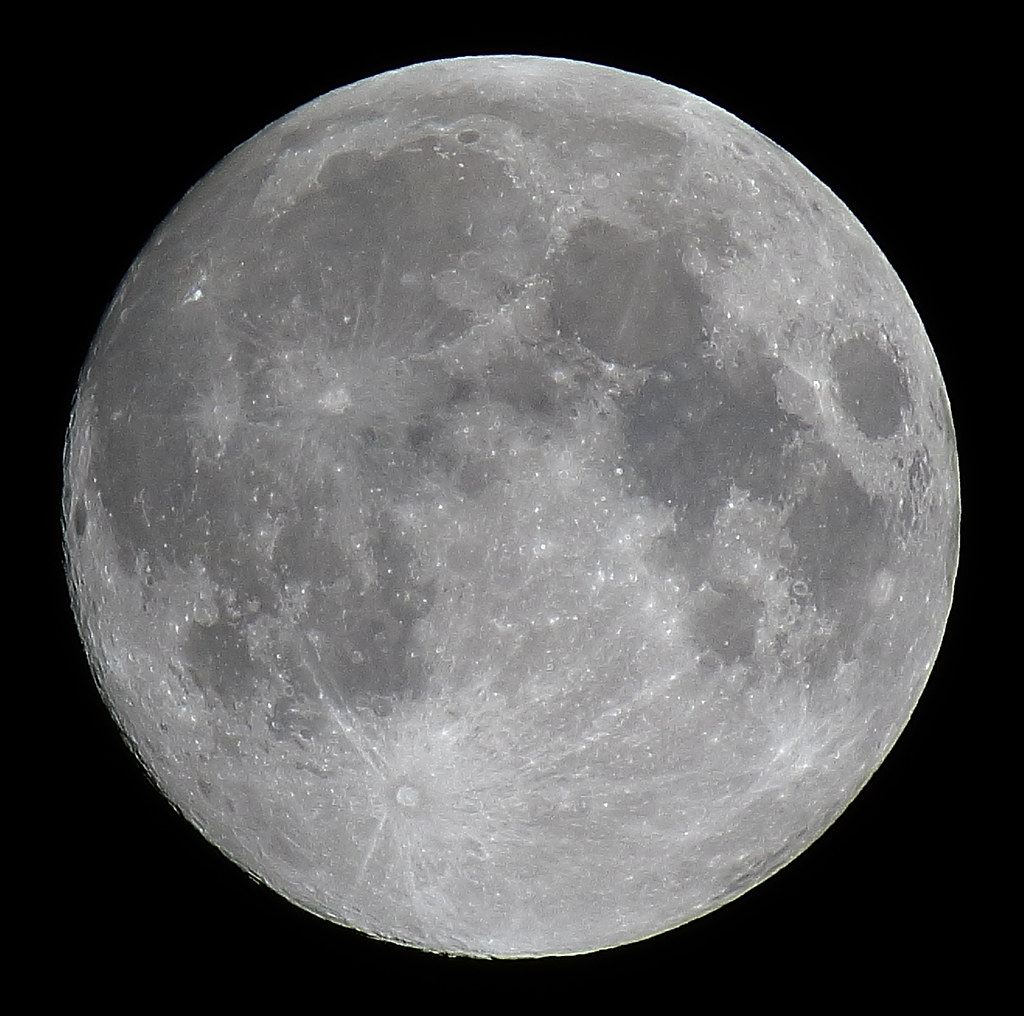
point(480, 481)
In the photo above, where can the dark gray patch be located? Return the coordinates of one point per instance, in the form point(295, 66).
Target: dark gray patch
point(296, 716)
point(871, 385)
point(303, 552)
point(80, 518)
point(228, 500)
point(364, 625)
point(523, 385)
point(462, 390)
point(681, 553)
point(474, 476)
point(403, 594)
point(840, 535)
point(419, 435)
point(139, 463)
point(468, 137)
point(726, 624)
point(692, 433)
point(628, 299)
point(392, 452)
point(346, 250)
point(219, 660)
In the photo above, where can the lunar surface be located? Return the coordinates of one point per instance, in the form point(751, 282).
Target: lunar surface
point(511, 507)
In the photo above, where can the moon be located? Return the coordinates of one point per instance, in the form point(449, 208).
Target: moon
point(511, 507)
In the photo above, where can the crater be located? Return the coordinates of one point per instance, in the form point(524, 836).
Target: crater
point(407, 796)
point(871, 386)
point(80, 519)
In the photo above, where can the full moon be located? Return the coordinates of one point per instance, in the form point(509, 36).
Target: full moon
point(511, 507)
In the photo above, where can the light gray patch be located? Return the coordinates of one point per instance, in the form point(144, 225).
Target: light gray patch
point(918, 475)
point(938, 410)
point(951, 555)
point(871, 386)
point(302, 553)
point(750, 871)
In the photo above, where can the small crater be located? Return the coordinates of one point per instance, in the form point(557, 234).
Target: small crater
point(407, 796)
point(337, 400)
point(881, 587)
point(468, 137)
point(871, 385)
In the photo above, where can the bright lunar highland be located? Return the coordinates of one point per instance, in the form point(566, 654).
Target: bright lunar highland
point(511, 506)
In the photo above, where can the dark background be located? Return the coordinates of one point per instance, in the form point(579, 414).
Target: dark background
point(122, 887)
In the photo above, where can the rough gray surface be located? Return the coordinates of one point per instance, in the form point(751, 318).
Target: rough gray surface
point(511, 506)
